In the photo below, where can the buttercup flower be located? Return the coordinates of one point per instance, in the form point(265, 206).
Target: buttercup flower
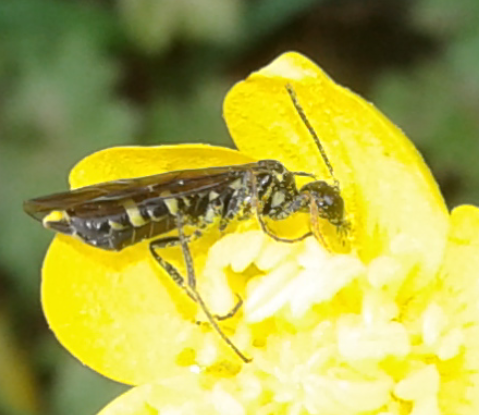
point(380, 319)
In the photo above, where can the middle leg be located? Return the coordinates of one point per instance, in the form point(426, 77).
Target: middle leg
point(191, 282)
point(256, 208)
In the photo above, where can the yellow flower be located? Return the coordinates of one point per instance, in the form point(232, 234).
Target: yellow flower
point(384, 321)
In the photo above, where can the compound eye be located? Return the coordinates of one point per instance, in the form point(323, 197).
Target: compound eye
point(328, 199)
point(334, 208)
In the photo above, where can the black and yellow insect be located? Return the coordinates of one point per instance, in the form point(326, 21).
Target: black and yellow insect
point(118, 214)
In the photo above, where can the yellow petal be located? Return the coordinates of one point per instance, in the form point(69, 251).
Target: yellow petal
point(127, 162)
point(458, 297)
point(465, 227)
point(117, 311)
point(392, 201)
point(175, 396)
point(133, 402)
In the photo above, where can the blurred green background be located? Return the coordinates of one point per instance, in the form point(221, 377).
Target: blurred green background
point(79, 76)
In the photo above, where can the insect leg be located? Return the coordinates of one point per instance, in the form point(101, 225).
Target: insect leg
point(264, 227)
point(192, 285)
point(170, 269)
point(303, 174)
point(314, 215)
point(175, 274)
point(232, 312)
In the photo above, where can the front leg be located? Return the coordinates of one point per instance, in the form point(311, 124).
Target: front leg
point(257, 210)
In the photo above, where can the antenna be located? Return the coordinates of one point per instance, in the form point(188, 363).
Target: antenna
point(310, 128)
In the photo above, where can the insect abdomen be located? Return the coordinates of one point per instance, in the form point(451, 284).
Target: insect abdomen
point(131, 224)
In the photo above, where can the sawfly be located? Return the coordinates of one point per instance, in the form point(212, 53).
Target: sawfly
point(117, 214)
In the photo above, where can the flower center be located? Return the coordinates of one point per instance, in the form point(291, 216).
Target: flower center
point(328, 333)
